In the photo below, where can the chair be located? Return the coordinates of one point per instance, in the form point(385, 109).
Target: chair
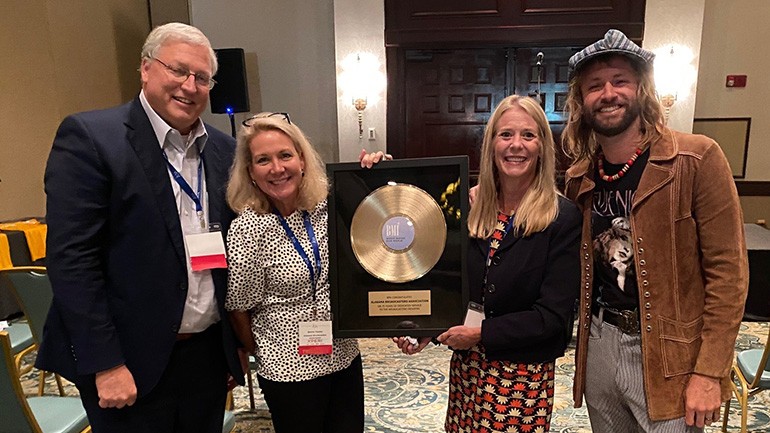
point(33, 291)
point(21, 341)
point(752, 369)
point(250, 382)
point(228, 424)
point(34, 414)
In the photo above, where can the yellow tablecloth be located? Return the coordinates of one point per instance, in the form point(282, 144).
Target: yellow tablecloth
point(34, 232)
point(5, 252)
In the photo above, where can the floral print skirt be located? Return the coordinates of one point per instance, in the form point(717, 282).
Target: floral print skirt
point(498, 396)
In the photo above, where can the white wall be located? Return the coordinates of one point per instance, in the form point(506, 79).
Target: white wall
point(359, 26)
point(289, 46)
point(735, 38)
point(680, 23)
point(59, 58)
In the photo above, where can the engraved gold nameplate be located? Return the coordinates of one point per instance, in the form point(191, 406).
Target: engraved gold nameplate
point(400, 303)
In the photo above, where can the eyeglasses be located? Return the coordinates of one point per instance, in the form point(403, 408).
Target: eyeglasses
point(182, 74)
point(250, 120)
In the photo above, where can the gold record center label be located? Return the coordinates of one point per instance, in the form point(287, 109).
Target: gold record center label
point(398, 233)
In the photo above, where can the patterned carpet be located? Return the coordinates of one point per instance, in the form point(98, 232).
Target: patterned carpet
point(407, 394)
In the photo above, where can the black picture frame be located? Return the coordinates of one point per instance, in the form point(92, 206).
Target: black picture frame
point(445, 179)
point(732, 134)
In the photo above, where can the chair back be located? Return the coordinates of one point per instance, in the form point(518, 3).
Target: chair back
point(748, 360)
point(17, 416)
point(765, 361)
point(33, 291)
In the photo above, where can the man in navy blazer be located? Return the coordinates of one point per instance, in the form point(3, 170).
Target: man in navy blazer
point(143, 336)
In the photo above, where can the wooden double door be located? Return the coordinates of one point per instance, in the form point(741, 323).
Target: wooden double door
point(448, 96)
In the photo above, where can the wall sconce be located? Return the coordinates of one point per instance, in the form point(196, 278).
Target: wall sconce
point(362, 82)
point(667, 101)
point(674, 75)
point(360, 105)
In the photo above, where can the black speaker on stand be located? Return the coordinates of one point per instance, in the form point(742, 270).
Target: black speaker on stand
point(231, 93)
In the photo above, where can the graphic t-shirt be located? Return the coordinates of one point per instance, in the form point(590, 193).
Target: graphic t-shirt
point(615, 274)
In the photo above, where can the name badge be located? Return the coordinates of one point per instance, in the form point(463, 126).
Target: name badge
point(315, 338)
point(474, 316)
point(207, 250)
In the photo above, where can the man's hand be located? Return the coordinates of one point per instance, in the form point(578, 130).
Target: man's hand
point(116, 387)
point(367, 160)
point(702, 400)
point(460, 337)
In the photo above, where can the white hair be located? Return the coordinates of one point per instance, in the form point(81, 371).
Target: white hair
point(177, 32)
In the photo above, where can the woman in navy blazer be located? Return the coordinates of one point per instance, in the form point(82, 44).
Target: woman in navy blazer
point(523, 270)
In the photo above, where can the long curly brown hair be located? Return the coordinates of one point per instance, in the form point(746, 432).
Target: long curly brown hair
point(578, 139)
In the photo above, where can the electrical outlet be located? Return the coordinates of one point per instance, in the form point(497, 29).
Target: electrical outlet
point(372, 134)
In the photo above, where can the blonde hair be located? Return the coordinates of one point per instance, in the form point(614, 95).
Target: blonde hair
point(578, 138)
point(242, 193)
point(540, 204)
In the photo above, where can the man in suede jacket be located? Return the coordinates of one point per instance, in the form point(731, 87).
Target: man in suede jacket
point(663, 255)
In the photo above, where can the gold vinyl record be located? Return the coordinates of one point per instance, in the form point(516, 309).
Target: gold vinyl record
point(398, 233)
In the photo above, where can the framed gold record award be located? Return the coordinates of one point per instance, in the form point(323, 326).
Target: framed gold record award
point(397, 246)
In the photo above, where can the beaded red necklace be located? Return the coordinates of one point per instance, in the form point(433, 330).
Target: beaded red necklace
point(622, 171)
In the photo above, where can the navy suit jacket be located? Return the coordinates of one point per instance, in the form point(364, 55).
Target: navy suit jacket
point(115, 249)
point(531, 288)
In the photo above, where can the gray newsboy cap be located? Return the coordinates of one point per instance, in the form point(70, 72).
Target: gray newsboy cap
point(614, 41)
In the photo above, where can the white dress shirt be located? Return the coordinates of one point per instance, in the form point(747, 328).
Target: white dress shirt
point(183, 152)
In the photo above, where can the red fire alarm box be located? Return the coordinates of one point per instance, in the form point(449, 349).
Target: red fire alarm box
point(735, 81)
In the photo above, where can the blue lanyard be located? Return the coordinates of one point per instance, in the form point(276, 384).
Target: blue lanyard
point(301, 251)
point(196, 198)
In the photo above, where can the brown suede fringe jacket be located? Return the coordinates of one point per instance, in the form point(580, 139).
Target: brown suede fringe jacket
point(691, 268)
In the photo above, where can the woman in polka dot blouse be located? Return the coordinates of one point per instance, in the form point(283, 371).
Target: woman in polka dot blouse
point(278, 294)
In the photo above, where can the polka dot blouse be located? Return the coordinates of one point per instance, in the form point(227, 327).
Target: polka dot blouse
point(269, 279)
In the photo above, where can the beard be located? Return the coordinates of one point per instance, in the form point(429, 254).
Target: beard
point(607, 129)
